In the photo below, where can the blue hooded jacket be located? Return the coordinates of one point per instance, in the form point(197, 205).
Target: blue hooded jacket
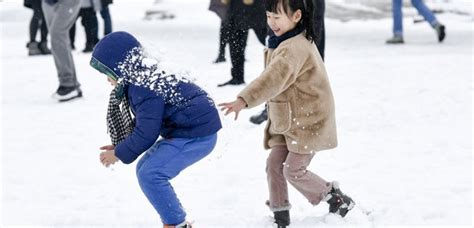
point(168, 106)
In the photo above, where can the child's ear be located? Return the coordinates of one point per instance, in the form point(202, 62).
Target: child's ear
point(297, 16)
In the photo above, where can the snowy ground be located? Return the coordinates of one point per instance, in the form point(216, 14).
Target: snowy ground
point(403, 114)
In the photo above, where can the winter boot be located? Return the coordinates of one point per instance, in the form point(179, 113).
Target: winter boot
point(233, 81)
point(182, 225)
point(441, 32)
point(282, 218)
point(339, 203)
point(220, 59)
point(88, 48)
point(33, 48)
point(43, 46)
point(259, 118)
point(395, 40)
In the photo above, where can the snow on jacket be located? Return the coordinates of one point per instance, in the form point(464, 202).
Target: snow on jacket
point(296, 88)
point(163, 104)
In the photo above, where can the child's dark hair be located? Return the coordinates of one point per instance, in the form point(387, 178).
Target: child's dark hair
point(307, 10)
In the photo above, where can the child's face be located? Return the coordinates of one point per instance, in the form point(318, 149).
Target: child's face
point(112, 82)
point(280, 22)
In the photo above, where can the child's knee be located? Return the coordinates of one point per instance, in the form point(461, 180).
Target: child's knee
point(148, 176)
point(292, 173)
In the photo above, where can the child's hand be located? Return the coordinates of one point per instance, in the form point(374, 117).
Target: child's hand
point(234, 106)
point(107, 157)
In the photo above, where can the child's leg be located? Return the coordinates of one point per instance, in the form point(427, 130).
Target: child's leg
point(277, 185)
point(313, 187)
point(161, 163)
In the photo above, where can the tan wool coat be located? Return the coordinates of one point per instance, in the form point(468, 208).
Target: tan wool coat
point(299, 99)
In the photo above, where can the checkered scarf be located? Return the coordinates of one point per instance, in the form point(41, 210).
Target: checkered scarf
point(119, 119)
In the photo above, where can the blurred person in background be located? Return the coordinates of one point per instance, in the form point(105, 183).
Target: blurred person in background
point(105, 14)
point(320, 41)
point(37, 23)
point(220, 7)
point(89, 21)
point(397, 38)
point(243, 15)
point(60, 15)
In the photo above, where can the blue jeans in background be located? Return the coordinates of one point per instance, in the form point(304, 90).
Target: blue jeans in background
point(398, 16)
point(105, 14)
point(164, 161)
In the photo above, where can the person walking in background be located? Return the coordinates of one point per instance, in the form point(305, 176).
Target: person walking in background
point(176, 123)
point(301, 120)
point(60, 15)
point(223, 41)
point(243, 15)
point(320, 42)
point(424, 11)
point(37, 23)
point(105, 14)
point(88, 16)
point(220, 7)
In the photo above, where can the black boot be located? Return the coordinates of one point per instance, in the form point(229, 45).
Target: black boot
point(233, 81)
point(441, 32)
point(259, 118)
point(282, 218)
point(88, 48)
point(43, 46)
point(339, 203)
point(220, 59)
point(33, 48)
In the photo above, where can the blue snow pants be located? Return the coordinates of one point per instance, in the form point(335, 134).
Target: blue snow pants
point(398, 16)
point(164, 161)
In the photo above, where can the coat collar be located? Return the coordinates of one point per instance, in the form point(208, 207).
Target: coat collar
point(274, 40)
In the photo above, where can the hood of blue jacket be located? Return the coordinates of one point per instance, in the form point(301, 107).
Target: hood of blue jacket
point(112, 51)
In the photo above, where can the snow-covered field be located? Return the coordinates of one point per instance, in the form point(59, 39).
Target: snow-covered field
point(403, 114)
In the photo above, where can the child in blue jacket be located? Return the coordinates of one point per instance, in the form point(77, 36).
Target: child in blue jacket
point(163, 105)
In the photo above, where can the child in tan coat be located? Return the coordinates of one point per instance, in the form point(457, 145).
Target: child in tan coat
point(301, 118)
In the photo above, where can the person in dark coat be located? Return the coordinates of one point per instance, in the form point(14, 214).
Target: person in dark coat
point(319, 29)
point(220, 7)
point(88, 15)
point(37, 23)
point(243, 15)
point(176, 122)
point(320, 42)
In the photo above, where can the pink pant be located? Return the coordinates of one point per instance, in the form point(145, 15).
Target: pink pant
point(283, 165)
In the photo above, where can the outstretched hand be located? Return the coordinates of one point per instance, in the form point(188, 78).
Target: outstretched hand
point(234, 106)
point(107, 157)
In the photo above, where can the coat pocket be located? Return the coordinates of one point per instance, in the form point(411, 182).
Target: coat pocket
point(280, 116)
